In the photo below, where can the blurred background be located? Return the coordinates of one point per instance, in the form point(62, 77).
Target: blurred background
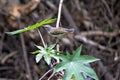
point(96, 24)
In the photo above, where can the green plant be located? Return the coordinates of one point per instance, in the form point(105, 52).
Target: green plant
point(46, 21)
point(73, 65)
point(47, 52)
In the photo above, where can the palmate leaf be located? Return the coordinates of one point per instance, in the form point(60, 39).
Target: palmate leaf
point(46, 21)
point(47, 53)
point(75, 65)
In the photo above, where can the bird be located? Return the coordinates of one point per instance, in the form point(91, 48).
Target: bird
point(57, 32)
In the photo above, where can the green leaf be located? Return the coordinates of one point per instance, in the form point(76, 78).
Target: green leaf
point(47, 58)
point(38, 57)
point(46, 21)
point(75, 65)
point(35, 52)
point(88, 59)
point(88, 71)
point(51, 46)
point(77, 52)
point(40, 47)
point(48, 53)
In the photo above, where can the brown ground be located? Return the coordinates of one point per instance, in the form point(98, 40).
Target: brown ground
point(96, 24)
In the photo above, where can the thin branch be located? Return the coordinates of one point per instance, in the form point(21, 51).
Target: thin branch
point(45, 74)
point(41, 37)
point(1, 42)
point(25, 53)
point(8, 56)
point(101, 33)
point(69, 18)
point(93, 43)
point(59, 14)
point(105, 71)
point(108, 8)
point(58, 19)
point(51, 76)
point(77, 3)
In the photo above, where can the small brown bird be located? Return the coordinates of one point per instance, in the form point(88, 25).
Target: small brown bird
point(57, 32)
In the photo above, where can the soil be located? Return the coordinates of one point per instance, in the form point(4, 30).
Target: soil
point(97, 28)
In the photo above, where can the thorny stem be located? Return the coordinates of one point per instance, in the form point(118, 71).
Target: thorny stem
point(41, 37)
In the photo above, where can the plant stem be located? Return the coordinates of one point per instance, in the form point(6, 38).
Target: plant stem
point(41, 37)
point(59, 13)
point(51, 76)
point(24, 52)
point(58, 19)
point(45, 74)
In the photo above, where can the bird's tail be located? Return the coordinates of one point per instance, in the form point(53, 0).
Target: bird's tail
point(70, 30)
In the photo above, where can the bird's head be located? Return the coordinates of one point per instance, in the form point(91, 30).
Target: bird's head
point(47, 27)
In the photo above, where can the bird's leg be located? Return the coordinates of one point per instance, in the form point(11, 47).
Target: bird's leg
point(57, 47)
point(57, 41)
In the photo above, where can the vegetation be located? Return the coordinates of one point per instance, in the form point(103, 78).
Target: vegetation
point(74, 66)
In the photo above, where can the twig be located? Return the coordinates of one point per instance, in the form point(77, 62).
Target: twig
point(117, 77)
point(107, 19)
point(59, 13)
point(102, 33)
point(51, 5)
point(41, 37)
point(87, 41)
point(107, 6)
point(24, 52)
point(69, 18)
point(39, 32)
point(1, 43)
point(80, 37)
point(105, 72)
point(58, 19)
point(51, 76)
point(77, 3)
point(6, 79)
point(115, 43)
point(8, 56)
point(45, 74)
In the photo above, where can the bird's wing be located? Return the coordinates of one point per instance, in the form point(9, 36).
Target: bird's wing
point(68, 30)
